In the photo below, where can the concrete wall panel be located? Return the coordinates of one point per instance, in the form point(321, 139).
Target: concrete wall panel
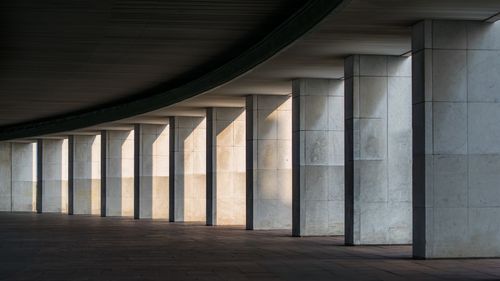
point(318, 157)
point(5, 177)
point(269, 162)
point(120, 173)
point(24, 175)
point(87, 175)
point(55, 175)
point(455, 139)
point(228, 184)
point(189, 152)
point(154, 171)
point(378, 155)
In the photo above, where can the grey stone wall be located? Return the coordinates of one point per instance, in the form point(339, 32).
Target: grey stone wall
point(5, 177)
point(55, 175)
point(120, 173)
point(154, 171)
point(226, 131)
point(87, 175)
point(378, 150)
point(456, 121)
point(24, 176)
point(269, 162)
point(189, 146)
point(318, 157)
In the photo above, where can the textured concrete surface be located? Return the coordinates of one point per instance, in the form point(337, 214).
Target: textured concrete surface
point(378, 150)
point(24, 176)
point(154, 170)
point(120, 173)
point(87, 175)
point(228, 188)
point(269, 162)
point(456, 117)
point(55, 175)
point(59, 247)
point(318, 157)
point(189, 152)
point(5, 177)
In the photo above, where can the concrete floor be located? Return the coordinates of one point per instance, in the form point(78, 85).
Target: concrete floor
point(61, 247)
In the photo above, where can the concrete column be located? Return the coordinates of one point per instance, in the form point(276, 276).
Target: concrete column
point(24, 177)
point(54, 182)
point(5, 177)
point(86, 176)
point(318, 157)
point(119, 173)
point(269, 162)
point(103, 166)
point(188, 167)
point(153, 164)
point(378, 150)
point(456, 132)
point(226, 188)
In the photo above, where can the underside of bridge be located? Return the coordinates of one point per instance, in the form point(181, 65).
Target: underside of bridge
point(353, 124)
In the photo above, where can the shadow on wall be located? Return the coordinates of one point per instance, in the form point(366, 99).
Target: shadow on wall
point(55, 177)
point(230, 166)
point(190, 169)
point(120, 182)
point(87, 175)
point(154, 185)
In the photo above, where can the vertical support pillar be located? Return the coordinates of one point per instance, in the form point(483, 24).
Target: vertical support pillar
point(269, 162)
point(211, 160)
point(86, 162)
point(24, 177)
point(456, 129)
point(152, 160)
point(188, 141)
point(54, 162)
point(318, 157)
point(378, 150)
point(39, 176)
point(5, 177)
point(120, 173)
point(103, 166)
point(171, 169)
point(226, 136)
point(137, 169)
point(71, 175)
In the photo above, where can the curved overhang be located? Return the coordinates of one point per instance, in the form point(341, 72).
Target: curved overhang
point(299, 23)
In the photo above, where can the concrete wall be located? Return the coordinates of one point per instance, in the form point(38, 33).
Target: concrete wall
point(120, 173)
point(5, 177)
point(378, 150)
point(226, 134)
point(318, 157)
point(24, 175)
point(55, 175)
point(269, 162)
point(188, 148)
point(154, 170)
point(87, 175)
point(456, 120)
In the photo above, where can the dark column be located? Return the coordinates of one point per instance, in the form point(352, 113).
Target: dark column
point(211, 175)
point(39, 175)
point(171, 172)
point(137, 169)
point(71, 175)
point(104, 145)
point(250, 161)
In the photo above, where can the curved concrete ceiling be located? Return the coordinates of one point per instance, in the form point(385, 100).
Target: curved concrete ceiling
point(62, 56)
point(274, 25)
point(361, 27)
